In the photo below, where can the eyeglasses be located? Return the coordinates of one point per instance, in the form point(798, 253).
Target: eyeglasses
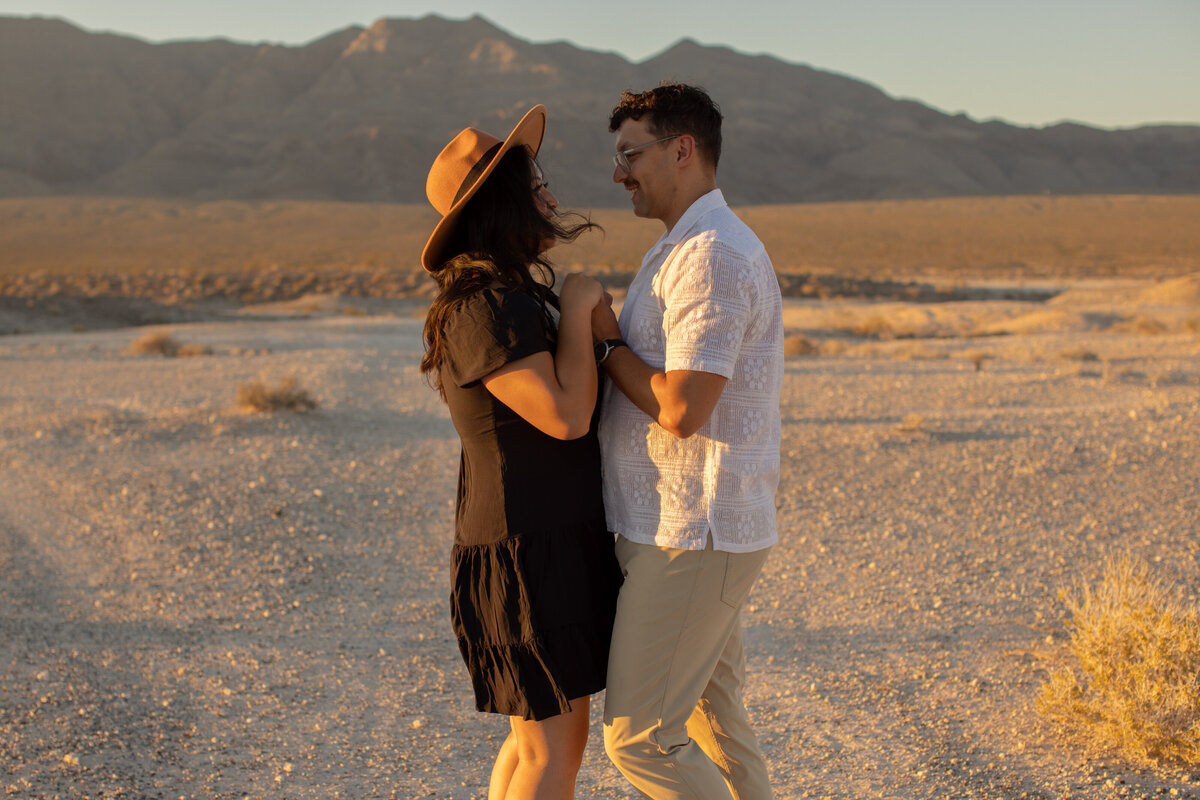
point(621, 159)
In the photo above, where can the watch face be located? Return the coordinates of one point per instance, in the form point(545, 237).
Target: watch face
point(600, 348)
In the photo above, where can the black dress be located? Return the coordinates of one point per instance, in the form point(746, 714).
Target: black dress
point(534, 574)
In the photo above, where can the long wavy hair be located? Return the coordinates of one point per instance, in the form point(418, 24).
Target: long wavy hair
point(497, 240)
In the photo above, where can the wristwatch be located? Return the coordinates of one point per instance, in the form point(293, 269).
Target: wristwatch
point(605, 346)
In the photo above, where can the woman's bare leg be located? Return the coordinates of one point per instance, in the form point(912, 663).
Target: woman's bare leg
point(549, 754)
point(502, 770)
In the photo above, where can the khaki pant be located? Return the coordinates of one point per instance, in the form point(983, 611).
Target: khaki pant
point(674, 722)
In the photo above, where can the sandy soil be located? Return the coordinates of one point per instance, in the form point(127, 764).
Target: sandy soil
point(204, 603)
point(1018, 238)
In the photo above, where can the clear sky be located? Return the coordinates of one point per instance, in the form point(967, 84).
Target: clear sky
point(1111, 63)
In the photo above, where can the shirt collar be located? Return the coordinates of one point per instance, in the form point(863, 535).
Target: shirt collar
point(705, 203)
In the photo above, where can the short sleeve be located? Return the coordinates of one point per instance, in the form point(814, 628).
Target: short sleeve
point(489, 329)
point(707, 309)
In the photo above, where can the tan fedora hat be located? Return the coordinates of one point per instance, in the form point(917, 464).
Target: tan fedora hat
point(462, 167)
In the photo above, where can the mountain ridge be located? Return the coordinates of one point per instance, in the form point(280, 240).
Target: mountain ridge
point(359, 114)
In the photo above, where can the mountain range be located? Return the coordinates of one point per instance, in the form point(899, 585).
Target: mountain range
point(359, 115)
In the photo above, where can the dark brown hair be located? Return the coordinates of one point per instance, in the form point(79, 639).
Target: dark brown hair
point(674, 108)
point(497, 240)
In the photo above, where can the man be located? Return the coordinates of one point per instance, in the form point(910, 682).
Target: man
point(689, 439)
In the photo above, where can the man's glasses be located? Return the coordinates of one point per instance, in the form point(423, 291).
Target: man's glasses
point(621, 159)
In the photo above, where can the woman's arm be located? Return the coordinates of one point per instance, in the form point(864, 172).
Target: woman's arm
point(557, 394)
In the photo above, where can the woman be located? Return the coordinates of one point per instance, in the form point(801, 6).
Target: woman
point(534, 575)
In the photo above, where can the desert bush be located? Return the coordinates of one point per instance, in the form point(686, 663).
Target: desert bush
point(155, 343)
point(1079, 354)
point(798, 345)
point(978, 357)
point(833, 347)
point(284, 396)
point(1140, 324)
point(193, 349)
point(875, 325)
point(161, 343)
point(1136, 687)
point(916, 351)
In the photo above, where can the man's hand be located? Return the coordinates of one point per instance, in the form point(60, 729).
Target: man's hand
point(604, 321)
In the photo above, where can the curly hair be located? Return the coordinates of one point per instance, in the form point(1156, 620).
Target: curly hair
point(674, 108)
point(497, 240)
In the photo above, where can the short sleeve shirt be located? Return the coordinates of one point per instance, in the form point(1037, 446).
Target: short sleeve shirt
point(705, 299)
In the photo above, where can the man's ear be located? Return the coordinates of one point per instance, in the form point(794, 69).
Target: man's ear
point(685, 150)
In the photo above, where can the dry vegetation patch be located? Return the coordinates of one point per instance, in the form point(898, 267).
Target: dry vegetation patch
point(1136, 685)
point(978, 357)
point(161, 343)
point(798, 345)
point(1079, 354)
point(283, 396)
point(1140, 324)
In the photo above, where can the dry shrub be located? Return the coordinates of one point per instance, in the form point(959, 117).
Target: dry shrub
point(1137, 685)
point(834, 347)
point(912, 422)
point(1142, 324)
point(284, 396)
point(1079, 354)
point(978, 357)
point(917, 351)
point(161, 343)
point(875, 325)
point(193, 349)
point(155, 343)
point(813, 287)
point(798, 345)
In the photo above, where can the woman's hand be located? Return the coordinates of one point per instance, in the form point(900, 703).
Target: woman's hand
point(581, 293)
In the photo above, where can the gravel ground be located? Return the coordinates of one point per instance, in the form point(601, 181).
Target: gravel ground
point(204, 603)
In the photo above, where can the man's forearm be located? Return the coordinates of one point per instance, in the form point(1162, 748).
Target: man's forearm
point(681, 401)
point(634, 378)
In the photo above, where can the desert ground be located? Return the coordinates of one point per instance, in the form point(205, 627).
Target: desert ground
point(205, 602)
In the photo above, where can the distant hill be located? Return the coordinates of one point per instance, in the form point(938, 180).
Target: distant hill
point(359, 115)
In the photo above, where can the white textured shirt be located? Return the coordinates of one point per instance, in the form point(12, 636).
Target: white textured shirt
point(705, 299)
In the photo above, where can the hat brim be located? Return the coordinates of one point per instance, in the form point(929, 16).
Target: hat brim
point(527, 133)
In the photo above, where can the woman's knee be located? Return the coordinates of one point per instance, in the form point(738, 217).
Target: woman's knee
point(561, 739)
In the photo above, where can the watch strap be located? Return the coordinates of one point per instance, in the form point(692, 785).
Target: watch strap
point(608, 346)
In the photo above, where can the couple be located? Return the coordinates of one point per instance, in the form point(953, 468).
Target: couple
point(546, 611)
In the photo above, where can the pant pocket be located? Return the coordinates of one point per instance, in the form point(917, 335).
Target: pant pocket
point(741, 570)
